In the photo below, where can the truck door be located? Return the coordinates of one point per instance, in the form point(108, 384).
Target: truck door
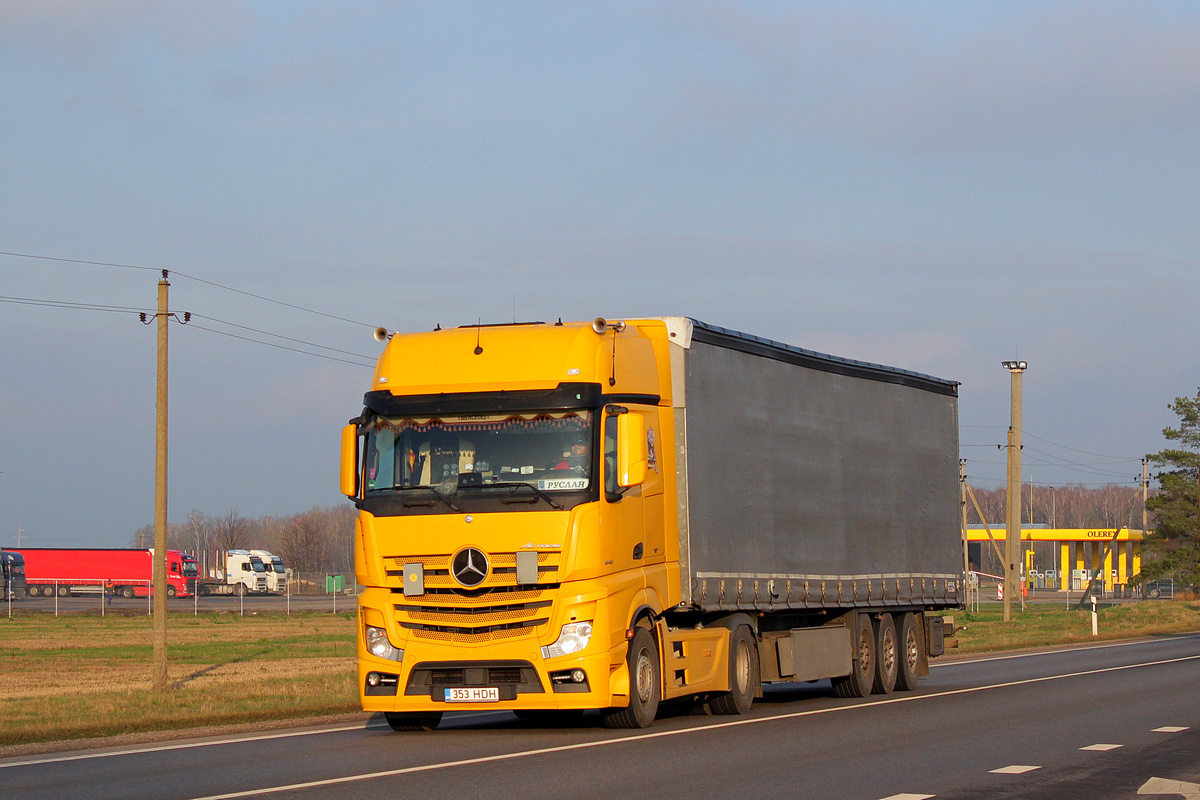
point(636, 512)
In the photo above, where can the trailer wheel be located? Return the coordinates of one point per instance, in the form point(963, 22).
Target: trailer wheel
point(127, 591)
point(412, 720)
point(64, 591)
point(886, 655)
point(644, 690)
point(909, 640)
point(743, 671)
point(862, 677)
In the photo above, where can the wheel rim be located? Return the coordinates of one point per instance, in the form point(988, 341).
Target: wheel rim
point(912, 654)
point(864, 652)
point(742, 667)
point(645, 680)
point(888, 656)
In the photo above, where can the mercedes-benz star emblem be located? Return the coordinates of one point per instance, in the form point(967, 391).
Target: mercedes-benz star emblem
point(469, 567)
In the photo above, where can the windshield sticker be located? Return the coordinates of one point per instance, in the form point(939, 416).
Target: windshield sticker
point(562, 484)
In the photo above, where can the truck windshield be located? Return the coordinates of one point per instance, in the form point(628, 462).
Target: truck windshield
point(189, 567)
point(486, 455)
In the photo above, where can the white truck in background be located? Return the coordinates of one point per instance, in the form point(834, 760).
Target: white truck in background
point(277, 582)
point(237, 572)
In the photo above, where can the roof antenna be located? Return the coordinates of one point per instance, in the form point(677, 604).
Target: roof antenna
point(478, 331)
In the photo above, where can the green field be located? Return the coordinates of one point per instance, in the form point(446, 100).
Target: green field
point(83, 675)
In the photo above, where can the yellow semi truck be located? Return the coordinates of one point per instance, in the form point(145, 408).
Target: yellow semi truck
point(557, 518)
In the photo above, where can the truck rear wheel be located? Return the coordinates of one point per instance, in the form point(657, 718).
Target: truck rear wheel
point(644, 689)
point(743, 672)
point(412, 720)
point(127, 591)
point(909, 640)
point(886, 655)
point(861, 679)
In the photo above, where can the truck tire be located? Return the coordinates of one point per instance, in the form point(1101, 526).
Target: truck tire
point(887, 655)
point(64, 591)
point(241, 590)
point(413, 720)
point(908, 637)
point(743, 674)
point(171, 591)
point(861, 679)
point(127, 592)
point(644, 685)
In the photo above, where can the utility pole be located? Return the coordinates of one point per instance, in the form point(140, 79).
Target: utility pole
point(160, 494)
point(1012, 536)
point(1145, 492)
point(159, 669)
point(962, 503)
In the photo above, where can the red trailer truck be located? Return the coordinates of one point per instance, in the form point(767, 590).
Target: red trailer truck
point(73, 571)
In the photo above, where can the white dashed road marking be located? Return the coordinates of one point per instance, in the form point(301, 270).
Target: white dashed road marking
point(910, 797)
point(1189, 791)
point(1015, 769)
point(1169, 729)
point(1102, 747)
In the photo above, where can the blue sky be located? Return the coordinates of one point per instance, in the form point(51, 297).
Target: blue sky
point(937, 186)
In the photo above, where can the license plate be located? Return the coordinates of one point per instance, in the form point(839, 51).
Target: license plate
point(483, 694)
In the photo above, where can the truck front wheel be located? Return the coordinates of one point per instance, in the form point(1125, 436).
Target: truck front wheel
point(861, 679)
point(170, 591)
point(644, 689)
point(743, 672)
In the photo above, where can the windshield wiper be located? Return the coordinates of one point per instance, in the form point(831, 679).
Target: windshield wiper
point(517, 484)
point(435, 492)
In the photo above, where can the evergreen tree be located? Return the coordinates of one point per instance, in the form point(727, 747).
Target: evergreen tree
point(1173, 550)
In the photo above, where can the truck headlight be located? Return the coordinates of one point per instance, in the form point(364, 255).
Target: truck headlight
point(574, 637)
point(380, 646)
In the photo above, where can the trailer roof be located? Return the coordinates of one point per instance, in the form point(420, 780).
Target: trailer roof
point(757, 345)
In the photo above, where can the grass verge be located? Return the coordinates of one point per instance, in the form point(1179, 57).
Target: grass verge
point(1048, 624)
point(79, 676)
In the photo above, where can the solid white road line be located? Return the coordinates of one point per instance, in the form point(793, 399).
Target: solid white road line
point(680, 732)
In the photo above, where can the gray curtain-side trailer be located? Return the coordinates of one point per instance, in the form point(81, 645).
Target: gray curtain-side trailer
point(818, 496)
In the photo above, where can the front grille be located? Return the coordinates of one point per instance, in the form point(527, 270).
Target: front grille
point(498, 608)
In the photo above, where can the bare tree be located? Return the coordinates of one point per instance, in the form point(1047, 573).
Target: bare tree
point(231, 532)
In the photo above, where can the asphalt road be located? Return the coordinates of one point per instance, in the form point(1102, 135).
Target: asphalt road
point(1098, 723)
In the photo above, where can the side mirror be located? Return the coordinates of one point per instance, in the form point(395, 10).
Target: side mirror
point(631, 450)
point(349, 477)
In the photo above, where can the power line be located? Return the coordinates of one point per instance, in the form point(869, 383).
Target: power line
point(278, 346)
point(280, 336)
point(1085, 452)
point(136, 310)
point(30, 301)
point(189, 277)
